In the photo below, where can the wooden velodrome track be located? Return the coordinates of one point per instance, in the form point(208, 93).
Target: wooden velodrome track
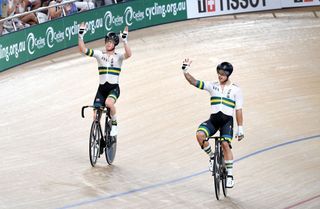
point(44, 141)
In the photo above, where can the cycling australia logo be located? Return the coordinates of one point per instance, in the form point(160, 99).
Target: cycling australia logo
point(33, 42)
point(131, 15)
point(51, 38)
point(205, 6)
point(128, 18)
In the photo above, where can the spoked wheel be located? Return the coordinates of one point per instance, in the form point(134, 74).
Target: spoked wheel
point(216, 175)
point(94, 143)
point(111, 147)
point(224, 182)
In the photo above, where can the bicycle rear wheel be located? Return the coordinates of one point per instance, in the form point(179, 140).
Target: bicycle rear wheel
point(94, 143)
point(111, 147)
point(216, 172)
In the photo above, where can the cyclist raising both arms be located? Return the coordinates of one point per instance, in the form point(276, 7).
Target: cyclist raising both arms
point(109, 67)
point(225, 97)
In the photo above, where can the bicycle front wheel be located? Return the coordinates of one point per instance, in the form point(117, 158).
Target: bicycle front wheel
point(94, 143)
point(224, 174)
point(216, 174)
point(111, 147)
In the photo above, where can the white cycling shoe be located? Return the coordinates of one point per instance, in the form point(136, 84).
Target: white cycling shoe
point(211, 161)
point(230, 181)
point(114, 130)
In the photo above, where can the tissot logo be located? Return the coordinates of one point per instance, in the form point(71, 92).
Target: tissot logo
point(206, 6)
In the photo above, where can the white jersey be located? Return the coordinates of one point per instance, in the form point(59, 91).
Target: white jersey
point(225, 101)
point(109, 66)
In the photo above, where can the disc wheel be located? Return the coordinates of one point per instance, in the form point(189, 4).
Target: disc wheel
point(111, 147)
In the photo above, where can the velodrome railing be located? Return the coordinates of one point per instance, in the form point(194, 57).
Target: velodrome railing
point(35, 11)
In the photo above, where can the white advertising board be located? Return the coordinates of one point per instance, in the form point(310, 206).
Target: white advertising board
point(299, 3)
point(205, 8)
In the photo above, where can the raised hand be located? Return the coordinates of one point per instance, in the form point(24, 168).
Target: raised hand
point(82, 30)
point(124, 34)
point(186, 65)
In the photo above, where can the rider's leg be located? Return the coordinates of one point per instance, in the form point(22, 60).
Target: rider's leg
point(228, 160)
point(201, 137)
point(110, 103)
point(228, 157)
point(227, 132)
point(205, 130)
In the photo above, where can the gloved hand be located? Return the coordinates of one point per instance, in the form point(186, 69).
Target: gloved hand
point(124, 35)
point(186, 65)
point(82, 30)
point(240, 134)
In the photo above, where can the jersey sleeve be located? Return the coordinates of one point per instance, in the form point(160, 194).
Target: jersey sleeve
point(239, 99)
point(204, 85)
point(94, 53)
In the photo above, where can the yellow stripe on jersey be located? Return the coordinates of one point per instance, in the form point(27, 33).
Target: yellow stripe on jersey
point(200, 84)
point(113, 71)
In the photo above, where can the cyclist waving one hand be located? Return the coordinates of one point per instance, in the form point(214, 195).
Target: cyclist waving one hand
point(225, 98)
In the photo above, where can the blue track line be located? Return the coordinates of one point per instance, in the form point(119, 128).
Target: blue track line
point(177, 180)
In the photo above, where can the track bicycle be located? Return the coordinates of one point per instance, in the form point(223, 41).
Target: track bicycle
point(219, 170)
point(100, 140)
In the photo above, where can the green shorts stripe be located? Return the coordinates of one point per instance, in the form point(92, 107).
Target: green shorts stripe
point(113, 96)
point(204, 129)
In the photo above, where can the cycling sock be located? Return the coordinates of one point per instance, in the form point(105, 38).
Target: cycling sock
point(114, 120)
point(229, 166)
point(208, 150)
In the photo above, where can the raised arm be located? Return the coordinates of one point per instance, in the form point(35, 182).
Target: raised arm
point(124, 37)
point(185, 67)
point(82, 31)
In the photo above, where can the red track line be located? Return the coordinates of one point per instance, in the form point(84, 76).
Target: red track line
point(302, 202)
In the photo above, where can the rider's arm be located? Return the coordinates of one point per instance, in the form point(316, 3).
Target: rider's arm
point(239, 117)
point(239, 104)
point(191, 79)
point(185, 67)
point(82, 47)
point(127, 50)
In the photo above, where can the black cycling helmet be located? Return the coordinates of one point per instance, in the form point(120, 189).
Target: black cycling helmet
point(112, 36)
point(226, 67)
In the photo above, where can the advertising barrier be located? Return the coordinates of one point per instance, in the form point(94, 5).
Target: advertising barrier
point(299, 3)
point(43, 39)
point(49, 37)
